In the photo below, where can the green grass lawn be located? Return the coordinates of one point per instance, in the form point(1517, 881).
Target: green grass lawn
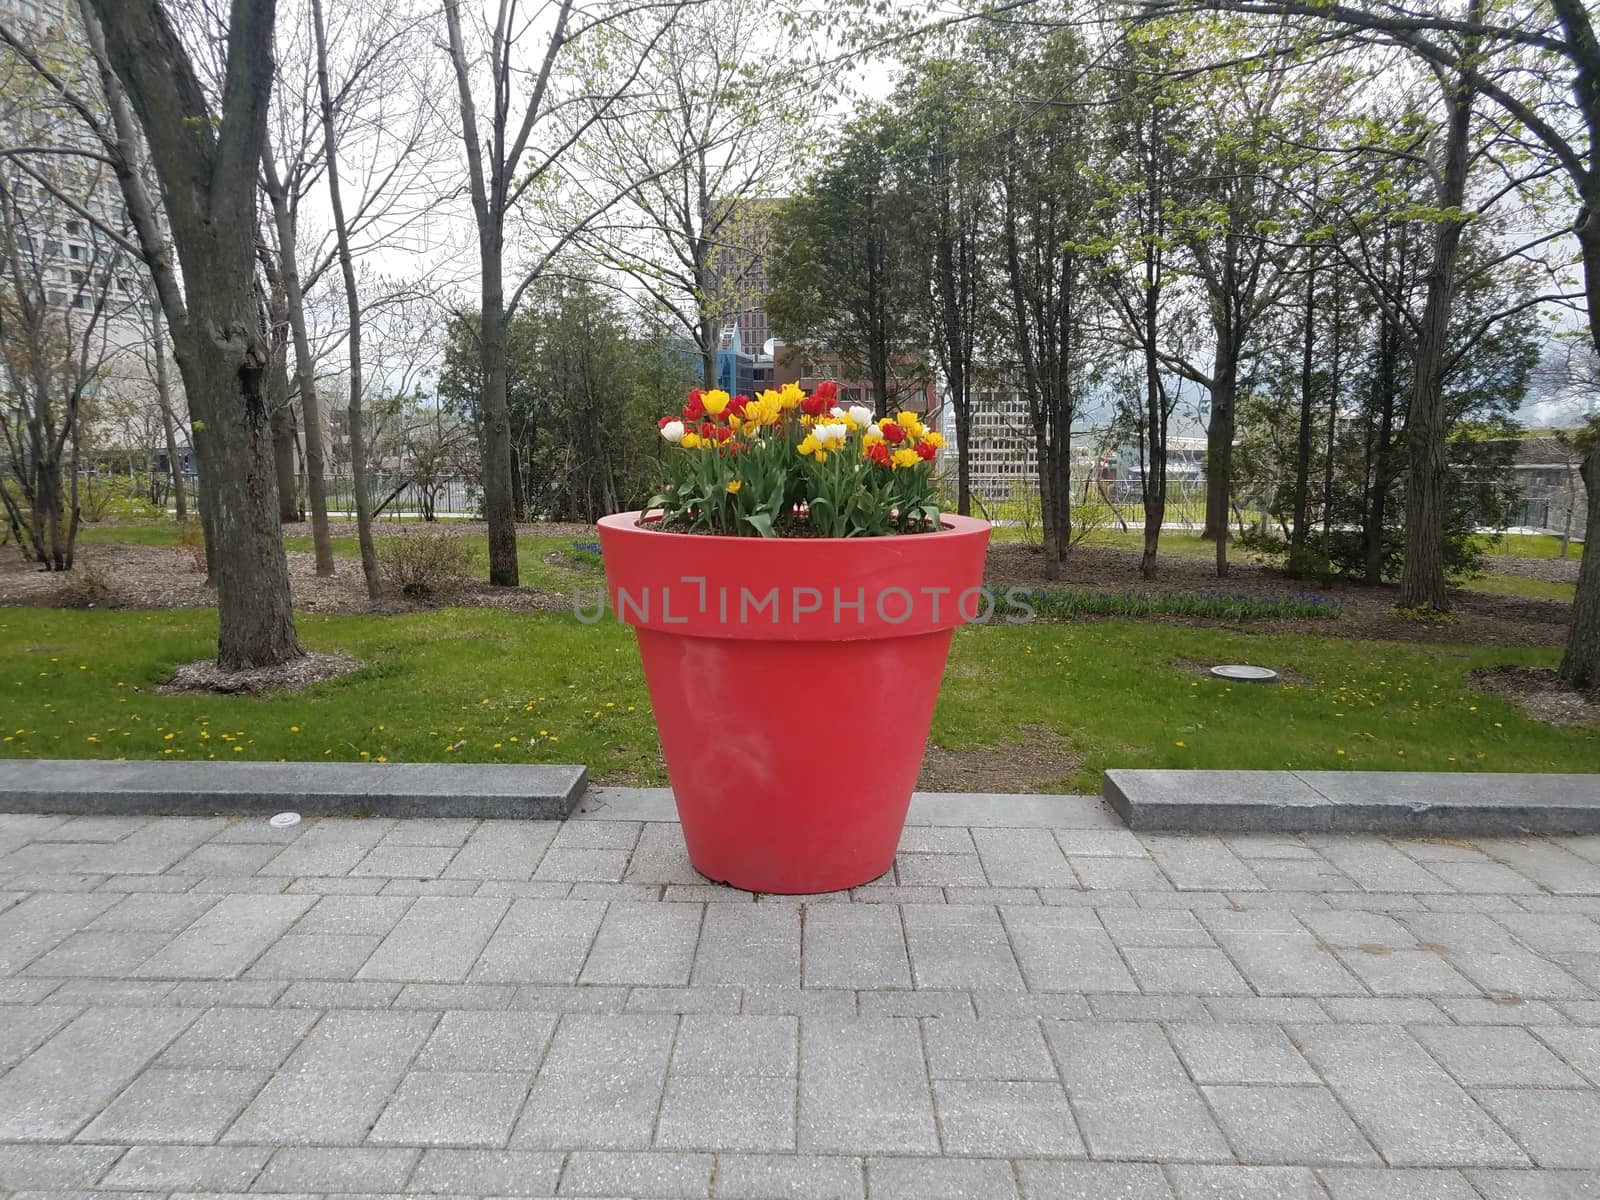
point(483, 686)
point(1521, 585)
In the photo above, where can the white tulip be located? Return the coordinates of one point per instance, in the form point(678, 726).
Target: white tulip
point(830, 435)
point(836, 412)
point(673, 431)
point(861, 415)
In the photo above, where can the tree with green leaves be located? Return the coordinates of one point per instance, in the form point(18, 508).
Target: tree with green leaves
point(1048, 155)
point(949, 163)
point(718, 115)
point(844, 276)
point(516, 142)
point(1538, 64)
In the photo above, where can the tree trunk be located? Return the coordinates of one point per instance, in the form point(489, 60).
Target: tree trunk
point(305, 368)
point(962, 402)
point(1580, 664)
point(358, 440)
point(1422, 580)
point(1378, 484)
point(208, 178)
point(180, 502)
point(498, 504)
point(282, 419)
point(1302, 457)
point(1153, 485)
point(227, 396)
point(1335, 385)
point(1219, 446)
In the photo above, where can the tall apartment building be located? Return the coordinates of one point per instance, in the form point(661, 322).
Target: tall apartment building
point(55, 210)
point(739, 273)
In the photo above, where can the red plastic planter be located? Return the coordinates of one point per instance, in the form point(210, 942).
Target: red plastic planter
point(793, 682)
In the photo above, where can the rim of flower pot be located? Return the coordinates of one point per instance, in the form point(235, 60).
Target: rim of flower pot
point(643, 520)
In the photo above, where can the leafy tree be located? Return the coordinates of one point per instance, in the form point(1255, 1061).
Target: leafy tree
point(1048, 154)
point(584, 388)
point(844, 275)
point(717, 117)
point(949, 165)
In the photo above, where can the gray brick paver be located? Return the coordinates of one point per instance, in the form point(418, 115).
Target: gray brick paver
point(1065, 950)
point(1012, 1000)
point(188, 1168)
point(864, 1086)
point(985, 1118)
point(1023, 858)
point(959, 946)
point(600, 1084)
point(452, 1108)
point(1288, 1125)
point(540, 941)
point(644, 944)
point(908, 1178)
point(1133, 1097)
point(1092, 1181)
point(710, 1112)
point(1371, 1183)
point(188, 1106)
point(60, 1086)
point(437, 941)
point(1405, 1103)
point(854, 946)
point(789, 1177)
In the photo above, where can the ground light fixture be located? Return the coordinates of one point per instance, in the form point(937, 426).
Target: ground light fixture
point(1241, 673)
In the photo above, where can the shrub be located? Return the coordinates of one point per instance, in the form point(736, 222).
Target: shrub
point(424, 562)
point(587, 553)
point(1062, 602)
point(191, 544)
point(120, 496)
point(85, 586)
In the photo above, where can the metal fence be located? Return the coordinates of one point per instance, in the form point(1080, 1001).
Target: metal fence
point(403, 498)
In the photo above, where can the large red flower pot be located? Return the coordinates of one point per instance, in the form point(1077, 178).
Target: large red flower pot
point(793, 682)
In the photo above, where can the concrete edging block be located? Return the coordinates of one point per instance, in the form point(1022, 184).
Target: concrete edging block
point(536, 792)
point(1418, 803)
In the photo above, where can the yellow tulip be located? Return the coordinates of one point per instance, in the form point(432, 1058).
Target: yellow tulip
point(715, 401)
point(905, 457)
point(690, 441)
point(733, 487)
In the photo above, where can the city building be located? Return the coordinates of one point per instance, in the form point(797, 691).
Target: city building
point(911, 387)
point(57, 211)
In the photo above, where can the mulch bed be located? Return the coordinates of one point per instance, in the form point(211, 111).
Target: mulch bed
point(206, 678)
point(1481, 617)
point(1551, 570)
point(1038, 764)
point(1542, 694)
point(144, 577)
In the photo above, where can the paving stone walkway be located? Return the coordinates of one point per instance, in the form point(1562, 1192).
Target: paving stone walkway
point(534, 1009)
